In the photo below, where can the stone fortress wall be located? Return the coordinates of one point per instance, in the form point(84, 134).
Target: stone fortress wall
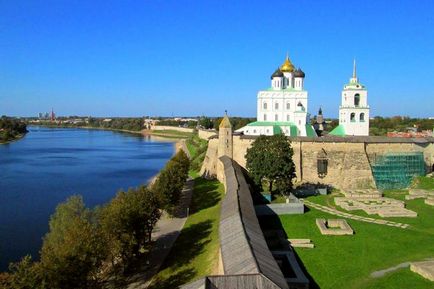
point(349, 158)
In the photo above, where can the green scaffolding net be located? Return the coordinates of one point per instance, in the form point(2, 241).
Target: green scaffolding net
point(396, 170)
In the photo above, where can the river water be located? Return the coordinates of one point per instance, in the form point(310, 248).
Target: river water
point(50, 164)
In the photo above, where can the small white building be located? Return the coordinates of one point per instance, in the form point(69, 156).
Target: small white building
point(354, 109)
point(282, 108)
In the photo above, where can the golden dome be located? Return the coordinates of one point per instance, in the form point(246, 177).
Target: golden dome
point(287, 65)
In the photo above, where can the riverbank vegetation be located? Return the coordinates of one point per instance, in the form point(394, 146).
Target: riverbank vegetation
point(197, 148)
point(85, 247)
point(195, 252)
point(11, 129)
point(134, 124)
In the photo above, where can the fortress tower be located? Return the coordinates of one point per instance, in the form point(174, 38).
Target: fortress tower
point(225, 137)
point(354, 109)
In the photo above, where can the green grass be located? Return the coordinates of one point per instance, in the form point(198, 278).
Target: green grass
point(172, 133)
point(195, 252)
point(197, 148)
point(347, 261)
point(402, 278)
point(425, 183)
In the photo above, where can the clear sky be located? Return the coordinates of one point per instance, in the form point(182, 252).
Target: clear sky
point(185, 57)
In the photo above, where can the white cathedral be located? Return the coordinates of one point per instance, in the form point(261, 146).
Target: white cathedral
point(282, 108)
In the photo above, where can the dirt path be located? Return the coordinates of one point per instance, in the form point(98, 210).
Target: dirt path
point(168, 230)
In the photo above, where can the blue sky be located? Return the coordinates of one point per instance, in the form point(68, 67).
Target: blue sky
point(136, 58)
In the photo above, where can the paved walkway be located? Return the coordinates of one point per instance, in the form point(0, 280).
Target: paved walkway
point(166, 232)
point(353, 217)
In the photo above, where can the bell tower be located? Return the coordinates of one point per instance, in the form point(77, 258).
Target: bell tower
point(354, 109)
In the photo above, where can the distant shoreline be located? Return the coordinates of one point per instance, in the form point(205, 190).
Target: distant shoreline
point(144, 132)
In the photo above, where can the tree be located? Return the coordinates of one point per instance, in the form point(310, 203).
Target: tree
point(74, 248)
point(127, 222)
point(170, 182)
point(270, 159)
point(206, 122)
point(24, 274)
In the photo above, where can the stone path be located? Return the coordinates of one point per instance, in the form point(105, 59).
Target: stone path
point(168, 230)
point(353, 217)
point(381, 273)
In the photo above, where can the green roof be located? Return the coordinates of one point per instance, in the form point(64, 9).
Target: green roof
point(354, 86)
point(310, 131)
point(338, 131)
point(276, 129)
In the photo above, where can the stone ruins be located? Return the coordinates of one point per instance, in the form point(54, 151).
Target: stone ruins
point(334, 227)
point(371, 202)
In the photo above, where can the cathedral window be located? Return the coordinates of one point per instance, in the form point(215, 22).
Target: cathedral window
point(362, 117)
point(300, 106)
point(276, 117)
point(265, 105)
point(352, 117)
point(276, 105)
point(287, 117)
point(265, 117)
point(356, 100)
point(288, 106)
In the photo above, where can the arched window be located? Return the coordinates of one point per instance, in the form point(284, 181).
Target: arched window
point(287, 117)
point(265, 117)
point(322, 164)
point(352, 117)
point(300, 106)
point(276, 105)
point(276, 118)
point(265, 105)
point(356, 100)
point(362, 116)
point(288, 106)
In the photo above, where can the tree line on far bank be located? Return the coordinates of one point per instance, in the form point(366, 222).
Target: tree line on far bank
point(11, 128)
point(84, 247)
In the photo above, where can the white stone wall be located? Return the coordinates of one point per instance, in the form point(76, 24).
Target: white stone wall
point(356, 126)
point(283, 106)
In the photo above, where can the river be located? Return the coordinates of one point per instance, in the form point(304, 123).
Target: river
point(50, 164)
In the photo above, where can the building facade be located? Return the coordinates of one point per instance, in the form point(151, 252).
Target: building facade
point(354, 109)
point(282, 108)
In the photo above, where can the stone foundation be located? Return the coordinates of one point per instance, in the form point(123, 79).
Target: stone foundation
point(424, 268)
point(334, 227)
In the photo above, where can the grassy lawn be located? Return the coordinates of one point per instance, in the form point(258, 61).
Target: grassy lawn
point(347, 261)
point(197, 148)
point(195, 252)
point(171, 133)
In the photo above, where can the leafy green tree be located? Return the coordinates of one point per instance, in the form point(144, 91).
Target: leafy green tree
point(127, 222)
point(170, 182)
point(270, 159)
point(74, 248)
point(24, 274)
point(206, 122)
